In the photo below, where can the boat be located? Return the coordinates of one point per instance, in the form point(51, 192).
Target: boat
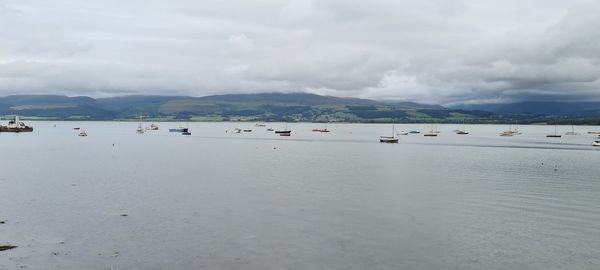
point(510, 132)
point(247, 130)
point(237, 130)
point(555, 135)
point(389, 139)
point(186, 132)
point(283, 131)
point(321, 129)
point(270, 129)
point(260, 125)
point(461, 131)
point(75, 128)
point(152, 127)
point(596, 143)
point(402, 133)
point(593, 132)
point(179, 129)
point(140, 130)
point(516, 130)
point(414, 132)
point(15, 125)
point(285, 134)
point(572, 132)
point(431, 133)
point(82, 134)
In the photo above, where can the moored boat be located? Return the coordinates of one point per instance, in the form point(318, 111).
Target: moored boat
point(555, 135)
point(82, 134)
point(179, 129)
point(389, 139)
point(431, 133)
point(596, 143)
point(283, 131)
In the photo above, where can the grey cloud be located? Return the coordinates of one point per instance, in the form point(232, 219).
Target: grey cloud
point(437, 51)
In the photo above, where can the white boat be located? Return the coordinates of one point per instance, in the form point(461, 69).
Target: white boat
point(82, 134)
point(389, 139)
point(140, 130)
point(431, 133)
point(596, 143)
point(401, 133)
point(572, 132)
point(510, 132)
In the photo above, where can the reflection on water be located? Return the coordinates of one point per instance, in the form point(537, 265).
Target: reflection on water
point(338, 200)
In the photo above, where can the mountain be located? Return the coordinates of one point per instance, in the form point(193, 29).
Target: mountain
point(241, 107)
point(571, 109)
point(273, 107)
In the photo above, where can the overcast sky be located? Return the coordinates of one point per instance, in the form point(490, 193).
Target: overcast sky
point(436, 51)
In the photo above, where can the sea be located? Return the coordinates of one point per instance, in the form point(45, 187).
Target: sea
point(340, 200)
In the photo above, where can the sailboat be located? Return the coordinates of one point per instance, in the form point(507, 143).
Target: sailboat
point(507, 133)
point(285, 131)
point(140, 130)
point(186, 130)
point(462, 132)
point(555, 135)
point(572, 132)
point(431, 133)
point(389, 139)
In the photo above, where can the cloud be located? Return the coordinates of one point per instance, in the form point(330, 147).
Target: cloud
point(437, 51)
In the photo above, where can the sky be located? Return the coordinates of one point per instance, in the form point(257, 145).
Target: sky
point(432, 51)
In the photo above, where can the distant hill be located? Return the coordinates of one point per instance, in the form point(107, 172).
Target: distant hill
point(582, 109)
point(260, 107)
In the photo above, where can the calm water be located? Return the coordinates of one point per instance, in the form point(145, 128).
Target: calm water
point(341, 200)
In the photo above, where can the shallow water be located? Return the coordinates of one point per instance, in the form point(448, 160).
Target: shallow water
point(338, 200)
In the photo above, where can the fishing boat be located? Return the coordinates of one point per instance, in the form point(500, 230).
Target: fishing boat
point(596, 143)
point(283, 131)
point(82, 134)
point(555, 135)
point(15, 125)
point(389, 139)
point(431, 133)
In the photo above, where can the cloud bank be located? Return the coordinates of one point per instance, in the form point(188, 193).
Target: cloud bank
point(436, 51)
